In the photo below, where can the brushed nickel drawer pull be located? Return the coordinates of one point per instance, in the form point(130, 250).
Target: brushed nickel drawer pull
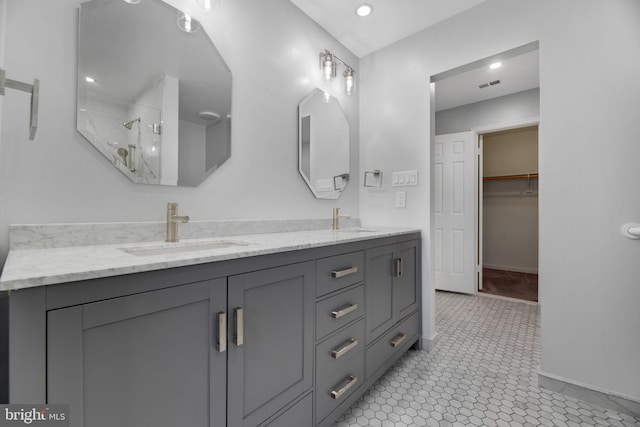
point(399, 339)
point(337, 393)
point(336, 314)
point(222, 332)
point(337, 354)
point(336, 274)
point(238, 338)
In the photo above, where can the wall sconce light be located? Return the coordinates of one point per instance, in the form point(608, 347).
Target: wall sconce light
point(328, 65)
point(187, 23)
point(208, 5)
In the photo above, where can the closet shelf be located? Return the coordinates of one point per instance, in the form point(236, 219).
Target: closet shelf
point(505, 177)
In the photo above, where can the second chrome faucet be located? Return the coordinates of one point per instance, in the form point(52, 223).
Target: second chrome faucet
point(173, 219)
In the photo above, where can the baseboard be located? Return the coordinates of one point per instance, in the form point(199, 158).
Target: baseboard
point(429, 343)
point(590, 394)
point(509, 268)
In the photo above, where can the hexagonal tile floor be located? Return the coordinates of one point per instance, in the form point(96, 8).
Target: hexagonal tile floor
point(482, 372)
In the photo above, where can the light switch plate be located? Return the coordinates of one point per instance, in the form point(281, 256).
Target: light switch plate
point(405, 179)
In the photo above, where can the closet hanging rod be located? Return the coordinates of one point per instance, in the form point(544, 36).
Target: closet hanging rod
point(33, 89)
point(505, 177)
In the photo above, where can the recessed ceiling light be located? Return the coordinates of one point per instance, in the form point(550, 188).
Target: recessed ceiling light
point(495, 65)
point(364, 10)
point(90, 79)
point(132, 1)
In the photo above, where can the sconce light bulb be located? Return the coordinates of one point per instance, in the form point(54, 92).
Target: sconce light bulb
point(328, 68)
point(187, 24)
point(208, 5)
point(349, 81)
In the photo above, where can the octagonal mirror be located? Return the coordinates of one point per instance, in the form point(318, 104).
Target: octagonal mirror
point(323, 144)
point(154, 94)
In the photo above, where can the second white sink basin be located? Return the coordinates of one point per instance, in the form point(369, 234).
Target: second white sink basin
point(181, 247)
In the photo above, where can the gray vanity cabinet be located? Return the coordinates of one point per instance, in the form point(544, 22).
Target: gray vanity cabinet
point(270, 342)
point(147, 359)
point(392, 293)
point(289, 339)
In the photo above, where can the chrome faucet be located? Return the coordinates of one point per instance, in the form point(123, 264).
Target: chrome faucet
point(336, 218)
point(172, 221)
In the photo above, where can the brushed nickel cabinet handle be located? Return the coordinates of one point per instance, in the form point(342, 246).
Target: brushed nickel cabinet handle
point(399, 339)
point(337, 354)
point(398, 267)
point(336, 274)
point(222, 332)
point(238, 338)
point(338, 313)
point(336, 394)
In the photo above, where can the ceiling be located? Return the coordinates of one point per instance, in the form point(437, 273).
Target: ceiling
point(517, 73)
point(393, 20)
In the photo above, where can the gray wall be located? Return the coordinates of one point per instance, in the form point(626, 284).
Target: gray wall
point(272, 49)
point(517, 106)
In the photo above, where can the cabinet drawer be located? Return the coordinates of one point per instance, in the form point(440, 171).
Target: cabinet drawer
point(336, 272)
point(339, 310)
point(332, 390)
point(391, 342)
point(339, 349)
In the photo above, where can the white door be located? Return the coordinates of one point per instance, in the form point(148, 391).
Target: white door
point(454, 237)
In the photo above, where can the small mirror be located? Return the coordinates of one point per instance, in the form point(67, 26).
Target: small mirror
point(153, 98)
point(323, 144)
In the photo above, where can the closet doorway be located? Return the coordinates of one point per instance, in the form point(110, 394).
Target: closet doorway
point(508, 212)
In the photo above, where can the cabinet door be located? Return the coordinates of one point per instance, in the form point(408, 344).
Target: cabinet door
point(270, 341)
point(144, 360)
point(406, 289)
point(379, 283)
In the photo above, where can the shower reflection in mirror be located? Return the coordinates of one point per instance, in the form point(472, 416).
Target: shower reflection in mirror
point(157, 120)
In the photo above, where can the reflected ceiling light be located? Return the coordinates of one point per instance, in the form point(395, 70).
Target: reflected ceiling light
point(495, 65)
point(132, 1)
point(210, 116)
point(187, 24)
point(208, 5)
point(328, 65)
point(364, 10)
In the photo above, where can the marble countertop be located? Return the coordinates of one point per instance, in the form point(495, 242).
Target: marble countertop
point(32, 267)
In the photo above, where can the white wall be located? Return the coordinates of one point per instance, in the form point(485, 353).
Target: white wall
point(272, 50)
point(589, 151)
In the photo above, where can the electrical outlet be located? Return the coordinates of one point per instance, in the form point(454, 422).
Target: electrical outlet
point(401, 199)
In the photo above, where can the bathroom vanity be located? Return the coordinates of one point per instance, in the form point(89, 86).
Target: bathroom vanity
point(279, 329)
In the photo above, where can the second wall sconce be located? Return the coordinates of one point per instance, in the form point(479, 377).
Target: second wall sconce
point(329, 64)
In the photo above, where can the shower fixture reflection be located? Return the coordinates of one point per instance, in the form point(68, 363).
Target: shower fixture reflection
point(130, 123)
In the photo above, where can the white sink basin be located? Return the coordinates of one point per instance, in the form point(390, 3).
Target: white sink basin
point(181, 247)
